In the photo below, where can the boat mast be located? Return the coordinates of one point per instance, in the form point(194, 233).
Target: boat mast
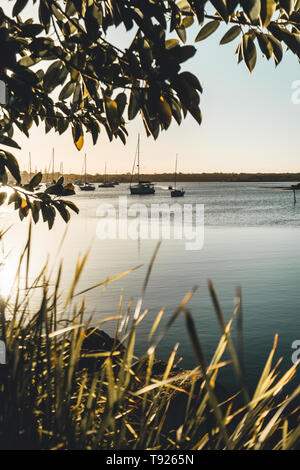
point(175, 172)
point(85, 168)
point(48, 171)
point(138, 161)
point(133, 166)
point(29, 165)
point(53, 164)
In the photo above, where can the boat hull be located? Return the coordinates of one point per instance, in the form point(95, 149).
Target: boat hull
point(87, 188)
point(142, 190)
point(177, 193)
point(106, 185)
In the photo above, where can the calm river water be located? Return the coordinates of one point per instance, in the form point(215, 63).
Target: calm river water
point(251, 239)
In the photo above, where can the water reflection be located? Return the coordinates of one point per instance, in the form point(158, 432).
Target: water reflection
point(251, 239)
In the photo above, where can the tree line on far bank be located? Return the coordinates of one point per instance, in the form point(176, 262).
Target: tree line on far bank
point(185, 177)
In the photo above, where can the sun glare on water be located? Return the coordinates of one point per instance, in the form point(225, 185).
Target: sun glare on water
point(7, 275)
point(7, 265)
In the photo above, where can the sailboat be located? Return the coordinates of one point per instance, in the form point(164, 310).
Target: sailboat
point(69, 188)
point(176, 192)
point(106, 184)
point(36, 188)
point(86, 186)
point(53, 180)
point(142, 187)
point(30, 172)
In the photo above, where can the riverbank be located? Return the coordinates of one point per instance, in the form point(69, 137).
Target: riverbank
point(181, 177)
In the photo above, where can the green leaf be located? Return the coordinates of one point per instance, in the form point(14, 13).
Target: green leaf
point(292, 40)
point(170, 43)
point(9, 142)
point(19, 6)
point(231, 6)
point(56, 190)
point(12, 164)
point(79, 5)
point(277, 49)
point(112, 113)
point(231, 34)
point(78, 136)
point(176, 109)
point(287, 5)
point(35, 181)
point(184, 5)
point(63, 211)
point(134, 104)
point(121, 135)
point(77, 97)
point(51, 77)
point(188, 21)
point(121, 101)
point(208, 29)
point(44, 15)
point(51, 217)
point(252, 9)
point(192, 80)
point(3, 197)
point(196, 113)
point(35, 211)
point(31, 30)
point(185, 52)
point(70, 8)
point(71, 205)
point(165, 112)
point(95, 130)
point(13, 197)
point(181, 33)
point(57, 13)
point(186, 92)
point(4, 177)
point(17, 201)
point(48, 214)
point(62, 125)
point(221, 7)
point(267, 11)
point(27, 61)
point(249, 52)
point(265, 45)
point(93, 20)
point(67, 91)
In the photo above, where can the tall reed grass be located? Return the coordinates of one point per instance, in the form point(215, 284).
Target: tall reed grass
point(49, 399)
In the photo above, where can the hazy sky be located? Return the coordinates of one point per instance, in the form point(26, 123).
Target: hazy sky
point(249, 123)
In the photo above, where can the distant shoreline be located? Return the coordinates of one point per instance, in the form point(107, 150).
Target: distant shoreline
point(182, 177)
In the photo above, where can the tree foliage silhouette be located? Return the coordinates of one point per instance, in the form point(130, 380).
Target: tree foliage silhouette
point(61, 69)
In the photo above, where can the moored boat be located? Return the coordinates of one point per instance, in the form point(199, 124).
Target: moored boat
point(177, 192)
point(86, 186)
point(106, 184)
point(142, 187)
